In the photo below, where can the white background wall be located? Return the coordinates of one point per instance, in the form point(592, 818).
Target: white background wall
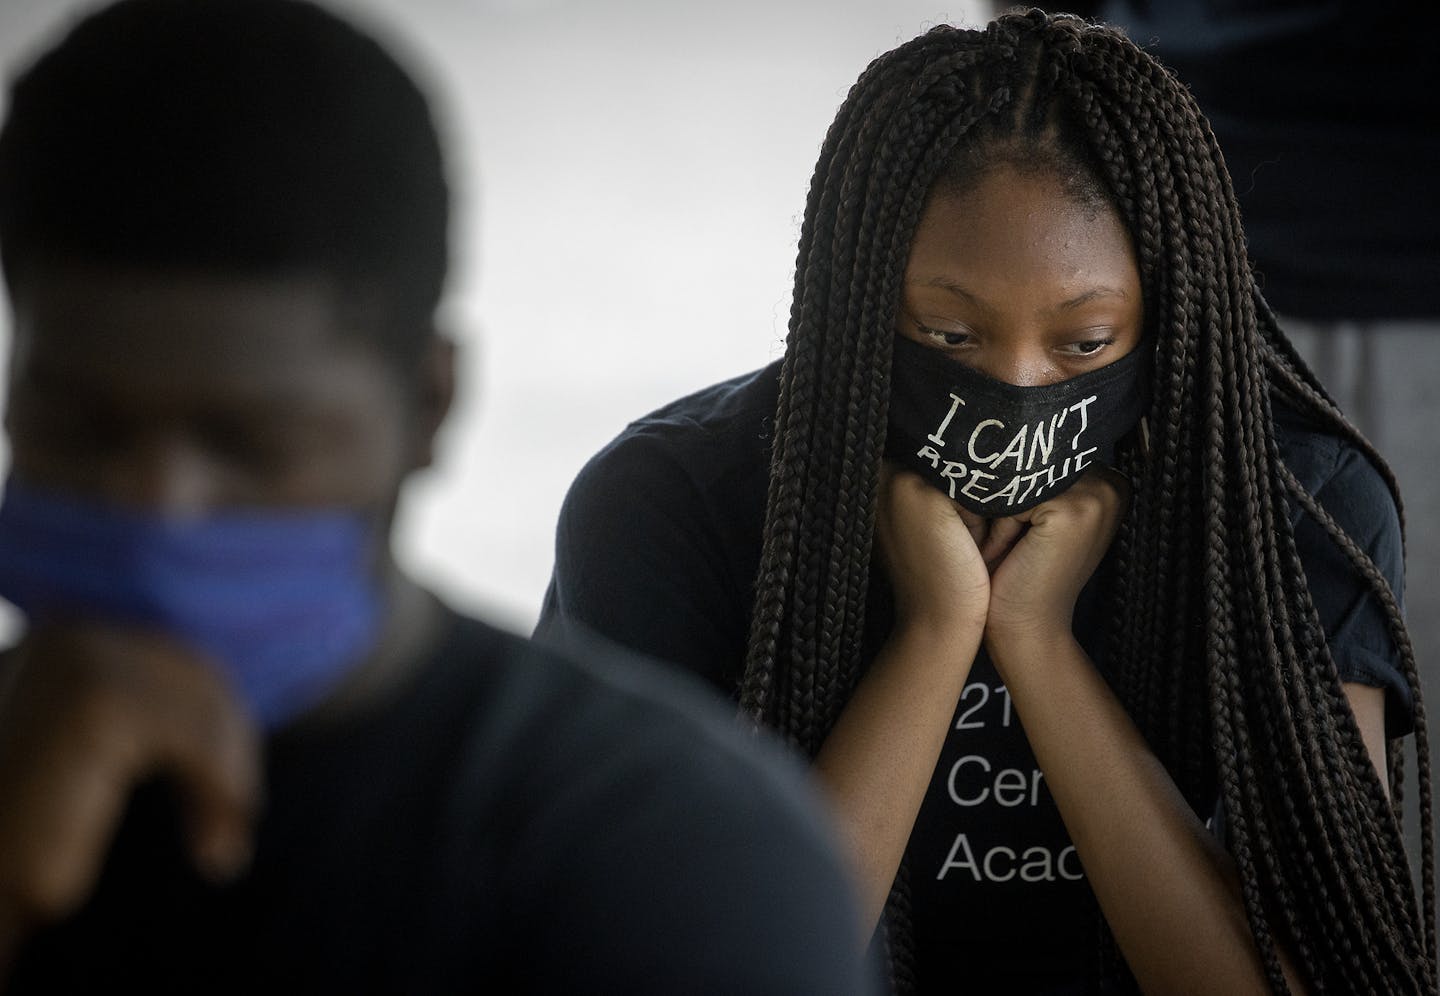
point(630, 177)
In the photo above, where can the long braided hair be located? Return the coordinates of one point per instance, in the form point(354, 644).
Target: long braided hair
point(1213, 641)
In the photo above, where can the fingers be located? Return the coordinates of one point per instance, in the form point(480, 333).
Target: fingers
point(1033, 563)
point(211, 750)
point(1061, 542)
point(1100, 496)
point(994, 538)
point(913, 512)
point(90, 714)
point(978, 525)
point(220, 788)
point(1118, 483)
point(58, 819)
point(906, 490)
point(930, 555)
point(60, 749)
point(1001, 538)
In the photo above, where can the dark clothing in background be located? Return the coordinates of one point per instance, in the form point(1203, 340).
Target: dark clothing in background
point(515, 822)
point(658, 547)
point(1328, 114)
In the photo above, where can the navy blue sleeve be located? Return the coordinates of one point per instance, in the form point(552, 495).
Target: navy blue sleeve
point(1352, 491)
point(639, 561)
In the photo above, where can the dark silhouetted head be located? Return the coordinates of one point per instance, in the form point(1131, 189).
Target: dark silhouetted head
point(255, 138)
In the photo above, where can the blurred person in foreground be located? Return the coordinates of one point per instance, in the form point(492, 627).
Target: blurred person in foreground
point(239, 749)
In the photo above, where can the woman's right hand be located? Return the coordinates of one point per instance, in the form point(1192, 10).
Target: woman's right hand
point(931, 551)
point(877, 761)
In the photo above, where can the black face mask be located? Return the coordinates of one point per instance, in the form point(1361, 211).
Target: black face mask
point(998, 449)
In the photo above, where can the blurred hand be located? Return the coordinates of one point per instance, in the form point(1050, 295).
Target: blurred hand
point(87, 712)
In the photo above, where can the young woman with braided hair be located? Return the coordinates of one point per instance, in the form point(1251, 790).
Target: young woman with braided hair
point(1037, 454)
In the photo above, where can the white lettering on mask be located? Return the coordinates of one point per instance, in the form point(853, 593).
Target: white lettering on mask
point(938, 436)
point(1033, 461)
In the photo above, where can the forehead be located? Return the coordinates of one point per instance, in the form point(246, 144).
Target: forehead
point(1022, 230)
point(169, 332)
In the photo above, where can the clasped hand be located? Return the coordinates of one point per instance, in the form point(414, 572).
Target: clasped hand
point(1015, 575)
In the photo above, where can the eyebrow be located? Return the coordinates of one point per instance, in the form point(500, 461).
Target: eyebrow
point(950, 285)
point(1090, 295)
point(946, 283)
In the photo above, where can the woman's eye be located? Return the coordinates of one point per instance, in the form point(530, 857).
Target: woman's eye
point(946, 338)
point(1088, 347)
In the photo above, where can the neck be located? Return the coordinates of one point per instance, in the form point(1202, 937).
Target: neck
point(411, 628)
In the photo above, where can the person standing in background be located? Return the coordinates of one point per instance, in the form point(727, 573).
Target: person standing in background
point(1328, 115)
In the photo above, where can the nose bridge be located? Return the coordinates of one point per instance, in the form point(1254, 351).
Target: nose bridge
point(163, 471)
point(1020, 362)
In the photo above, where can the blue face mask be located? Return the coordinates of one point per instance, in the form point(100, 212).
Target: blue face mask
point(285, 602)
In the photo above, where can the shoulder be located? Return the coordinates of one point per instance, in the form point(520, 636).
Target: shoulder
point(698, 438)
point(658, 538)
point(692, 472)
point(1329, 466)
point(1349, 486)
point(1351, 489)
point(640, 817)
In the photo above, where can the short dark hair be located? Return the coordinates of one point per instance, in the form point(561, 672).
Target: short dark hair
point(261, 137)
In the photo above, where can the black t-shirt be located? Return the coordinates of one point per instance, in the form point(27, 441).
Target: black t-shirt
point(1328, 114)
point(658, 546)
point(513, 822)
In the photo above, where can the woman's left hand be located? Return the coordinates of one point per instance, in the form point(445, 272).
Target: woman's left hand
point(1043, 557)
